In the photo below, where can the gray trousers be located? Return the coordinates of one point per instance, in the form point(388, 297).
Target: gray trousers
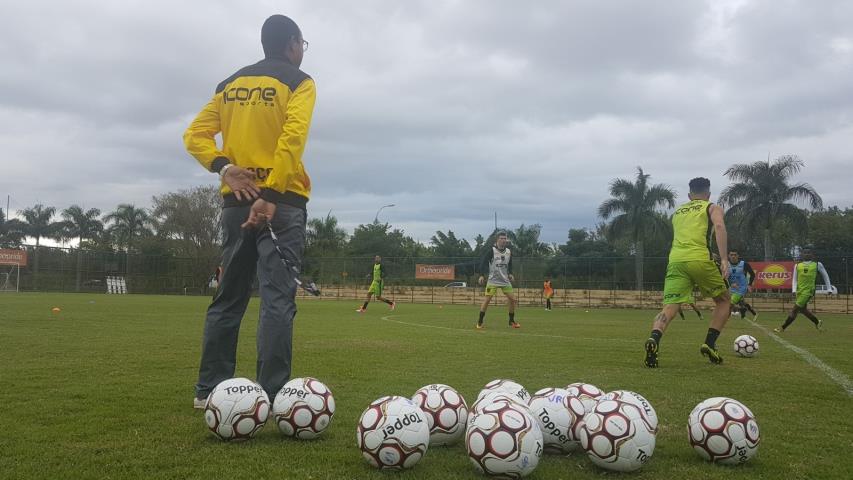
point(246, 252)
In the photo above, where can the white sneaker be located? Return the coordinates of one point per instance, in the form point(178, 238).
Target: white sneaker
point(199, 403)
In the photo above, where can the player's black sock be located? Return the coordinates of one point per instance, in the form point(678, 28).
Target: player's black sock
point(681, 313)
point(811, 316)
point(788, 321)
point(389, 302)
point(548, 304)
point(364, 307)
point(511, 318)
point(482, 316)
point(742, 311)
point(656, 336)
point(751, 310)
point(711, 338)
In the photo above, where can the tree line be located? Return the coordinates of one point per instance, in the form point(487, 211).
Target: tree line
point(764, 203)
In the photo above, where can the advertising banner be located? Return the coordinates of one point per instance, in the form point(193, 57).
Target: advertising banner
point(435, 272)
point(773, 275)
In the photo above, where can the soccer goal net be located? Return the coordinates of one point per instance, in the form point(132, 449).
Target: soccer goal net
point(10, 278)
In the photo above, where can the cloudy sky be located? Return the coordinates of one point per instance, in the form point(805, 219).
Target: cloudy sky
point(451, 110)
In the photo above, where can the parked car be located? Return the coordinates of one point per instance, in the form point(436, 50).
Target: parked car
point(456, 285)
point(822, 290)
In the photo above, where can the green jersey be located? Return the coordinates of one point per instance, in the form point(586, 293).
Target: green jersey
point(378, 271)
point(805, 274)
point(691, 232)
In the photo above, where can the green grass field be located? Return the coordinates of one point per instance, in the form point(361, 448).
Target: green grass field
point(103, 389)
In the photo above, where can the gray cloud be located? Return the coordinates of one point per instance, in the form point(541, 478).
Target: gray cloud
point(451, 110)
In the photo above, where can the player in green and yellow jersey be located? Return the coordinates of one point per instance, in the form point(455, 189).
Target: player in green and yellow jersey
point(691, 263)
point(805, 274)
point(377, 285)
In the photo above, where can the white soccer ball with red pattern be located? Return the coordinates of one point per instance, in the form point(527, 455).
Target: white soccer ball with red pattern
point(393, 433)
point(506, 386)
point(557, 414)
point(746, 346)
point(303, 408)
point(723, 430)
point(504, 440)
point(616, 436)
point(236, 409)
point(493, 396)
point(586, 392)
point(446, 412)
point(650, 416)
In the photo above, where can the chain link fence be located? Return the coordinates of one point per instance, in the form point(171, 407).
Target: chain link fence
point(53, 269)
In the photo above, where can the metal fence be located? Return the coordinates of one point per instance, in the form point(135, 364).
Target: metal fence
point(70, 270)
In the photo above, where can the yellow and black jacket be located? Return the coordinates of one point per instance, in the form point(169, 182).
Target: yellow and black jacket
point(264, 113)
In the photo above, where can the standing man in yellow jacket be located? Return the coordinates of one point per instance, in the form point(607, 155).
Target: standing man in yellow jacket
point(691, 264)
point(263, 112)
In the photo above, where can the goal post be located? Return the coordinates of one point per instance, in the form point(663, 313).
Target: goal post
point(11, 262)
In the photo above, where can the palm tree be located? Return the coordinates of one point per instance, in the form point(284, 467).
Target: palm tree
point(128, 223)
point(11, 231)
point(324, 236)
point(760, 196)
point(82, 225)
point(446, 245)
point(634, 215)
point(525, 241)
point(37, 224)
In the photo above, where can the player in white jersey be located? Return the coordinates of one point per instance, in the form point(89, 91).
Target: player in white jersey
point(497, 262)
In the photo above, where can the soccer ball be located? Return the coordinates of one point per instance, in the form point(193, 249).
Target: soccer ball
point(393, 433)
point(746, 346)
point(586, 392)
point(506, 386)
point(303, 408)
point(557, 414)
point(504, 440)
point(723, 430)
point(616, 436)
point(493, 396)
point(446, 413)
point(236, 409)
point(650, 416)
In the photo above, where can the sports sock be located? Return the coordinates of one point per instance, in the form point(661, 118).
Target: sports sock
point(364, 307)
point(681, 313)
point(751, 310)
point(711, 338)
point(389, 302)
point(811, 316)
point(482, 316)
point(656, 336)
point(512, 317)
point(788, 321)
point(548, 304)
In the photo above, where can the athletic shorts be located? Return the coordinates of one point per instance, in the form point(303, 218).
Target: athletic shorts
point(376, 288)
point(803, 298)
point(682, 276)
point(492, 289)
point(736, 297)
point(549, 294)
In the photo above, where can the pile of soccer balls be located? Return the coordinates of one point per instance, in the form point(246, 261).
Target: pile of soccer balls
point(506, 430)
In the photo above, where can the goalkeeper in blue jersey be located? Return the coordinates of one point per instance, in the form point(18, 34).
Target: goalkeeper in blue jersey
point(740, 279)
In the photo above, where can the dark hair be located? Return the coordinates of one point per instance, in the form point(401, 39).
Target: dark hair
point(500, 233)
point(276, 33)
point(700, 185)
point(733, 250)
